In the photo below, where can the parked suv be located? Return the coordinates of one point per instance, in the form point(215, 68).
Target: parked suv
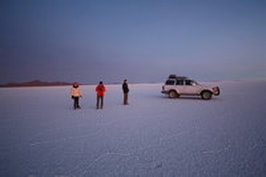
point(176, 86)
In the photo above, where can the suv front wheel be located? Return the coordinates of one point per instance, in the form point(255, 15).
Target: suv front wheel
point(206, 95)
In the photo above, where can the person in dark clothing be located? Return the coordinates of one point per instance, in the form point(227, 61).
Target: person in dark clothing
point(100, 90)
point(125, 92)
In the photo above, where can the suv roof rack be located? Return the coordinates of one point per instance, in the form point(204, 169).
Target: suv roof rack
point(173, 76)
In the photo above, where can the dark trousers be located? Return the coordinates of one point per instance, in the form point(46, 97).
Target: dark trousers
point(99, 103)
point(125, 98)
point(76, 102)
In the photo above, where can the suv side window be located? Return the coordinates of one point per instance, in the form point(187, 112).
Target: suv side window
point(188, 82)
point(191, 82)
point(179, 82)
point(170, 82)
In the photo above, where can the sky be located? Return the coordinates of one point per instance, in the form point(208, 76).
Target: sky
point(139, 40)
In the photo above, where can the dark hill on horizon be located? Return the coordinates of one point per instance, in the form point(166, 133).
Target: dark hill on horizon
point(35, 83)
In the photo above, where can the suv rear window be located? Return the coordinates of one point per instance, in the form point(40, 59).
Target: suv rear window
point(170, 82)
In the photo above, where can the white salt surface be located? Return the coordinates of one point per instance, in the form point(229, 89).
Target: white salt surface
point(42, 136)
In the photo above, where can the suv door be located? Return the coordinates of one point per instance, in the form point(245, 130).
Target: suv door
point(190, 87)
point(169, 84)
point(179, 86)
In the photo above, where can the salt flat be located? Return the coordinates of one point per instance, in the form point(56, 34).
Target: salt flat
point(42, 136)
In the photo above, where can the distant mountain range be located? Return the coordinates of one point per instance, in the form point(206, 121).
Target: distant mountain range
point(35, 83)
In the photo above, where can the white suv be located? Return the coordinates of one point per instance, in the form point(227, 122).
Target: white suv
point(176, 86)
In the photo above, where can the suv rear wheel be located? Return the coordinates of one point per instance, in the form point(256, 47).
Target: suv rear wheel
point(206, 95)
point(173, 94)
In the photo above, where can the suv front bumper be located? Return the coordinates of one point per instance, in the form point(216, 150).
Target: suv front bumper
point(216, 91)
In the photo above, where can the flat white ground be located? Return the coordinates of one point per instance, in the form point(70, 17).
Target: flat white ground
point(42, 136)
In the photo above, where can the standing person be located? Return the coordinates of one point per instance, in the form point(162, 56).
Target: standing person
point(125, 91)
point(75, 95)
point(100, 89)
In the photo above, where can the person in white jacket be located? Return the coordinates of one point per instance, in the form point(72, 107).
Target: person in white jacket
point(75, 95)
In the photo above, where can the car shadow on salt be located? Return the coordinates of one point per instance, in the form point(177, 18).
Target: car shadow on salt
point(191, 98)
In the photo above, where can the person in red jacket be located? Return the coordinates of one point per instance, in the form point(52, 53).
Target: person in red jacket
point(100, 90)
